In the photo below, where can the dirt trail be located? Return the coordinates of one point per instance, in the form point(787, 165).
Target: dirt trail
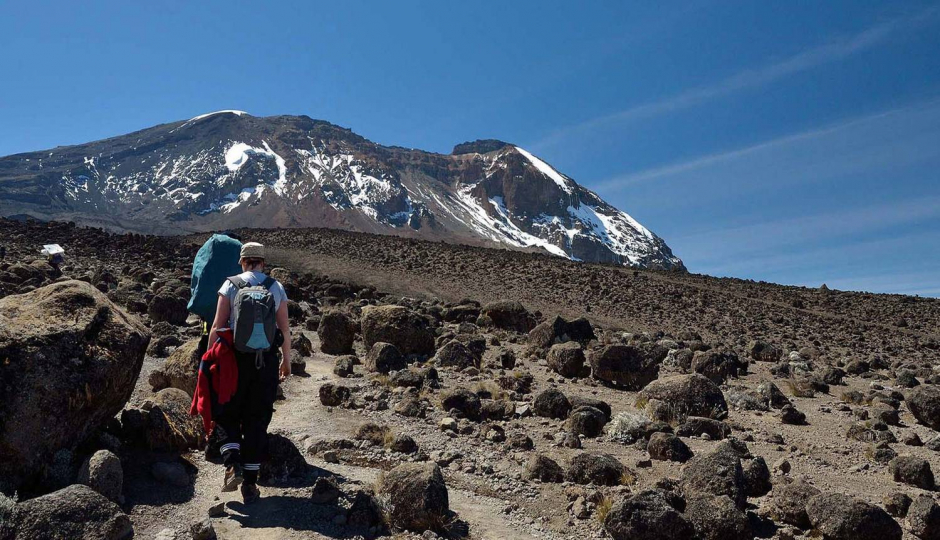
point(287, 512)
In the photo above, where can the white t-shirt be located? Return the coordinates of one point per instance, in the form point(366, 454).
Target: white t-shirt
point(229, 291)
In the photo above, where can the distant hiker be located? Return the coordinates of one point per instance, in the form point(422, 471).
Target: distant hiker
point(254, 307)
point(55, 256)
point(215, 261)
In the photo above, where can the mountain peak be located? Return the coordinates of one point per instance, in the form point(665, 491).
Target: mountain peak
point(479, 146)
point(229, 169)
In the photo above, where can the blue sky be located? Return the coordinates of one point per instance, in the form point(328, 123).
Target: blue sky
point(795, 142)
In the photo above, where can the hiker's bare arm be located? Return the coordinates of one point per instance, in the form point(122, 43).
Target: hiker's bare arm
point(221, 317)
point(283, 325)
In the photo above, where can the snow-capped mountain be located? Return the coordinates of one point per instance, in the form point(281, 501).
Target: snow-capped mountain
point(230, 169)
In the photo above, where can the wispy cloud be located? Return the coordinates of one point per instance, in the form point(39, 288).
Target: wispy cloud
point(751, 78)
point(868, 133)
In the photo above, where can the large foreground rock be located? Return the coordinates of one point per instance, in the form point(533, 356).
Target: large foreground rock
point(923, 518)
point(924, 404)
point(69, 359)
point(675, 398)
point(840, 517)
point(179, 371)
point(417, 495)
point(648, 516)
point(74, 512)
point(717, 518)
point(624, 365)
point(169, 426)
point(406, 330)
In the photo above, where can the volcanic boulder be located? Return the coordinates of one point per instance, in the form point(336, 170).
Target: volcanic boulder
point(417, 495)
point(337, 333)
point(180, 370)
point(403, 328)
point(717, 518)
point(647, 515)
point(923, 518)
point(169, 424)
point(82, 351)
point(668, 447)
point(913, 471)
point(551, 403)
point(566, 359)
point(545, 469)
point(677, 397)
point(840, 517)
point(718, 472)
point(586, 421)
point(102, 472)
point(624, 365)
point(74, 512)
point(456, 355)
point(924, 403)
point(383, 358)
point(508, 315)
point(169, 307)
point(599, 469)
point(790, 503)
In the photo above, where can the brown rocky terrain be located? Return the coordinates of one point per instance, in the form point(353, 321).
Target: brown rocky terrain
point(658, 405)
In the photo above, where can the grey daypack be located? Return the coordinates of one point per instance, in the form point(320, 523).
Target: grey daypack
point(253, 312)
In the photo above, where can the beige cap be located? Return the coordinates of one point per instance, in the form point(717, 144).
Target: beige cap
point(252, 250)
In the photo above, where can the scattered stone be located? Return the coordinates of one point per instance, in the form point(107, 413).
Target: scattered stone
point(790, 415)
point(897, 504)
point(544, 469)
point(325, 491)
point(202, 530)
point(103, 473)
point(586, 421)
point(417, 495)
point(172, 473)
point(333, 395)
point(668, 447)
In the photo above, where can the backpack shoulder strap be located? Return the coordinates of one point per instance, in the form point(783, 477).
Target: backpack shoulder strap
point(238, 282)
point(268, 282)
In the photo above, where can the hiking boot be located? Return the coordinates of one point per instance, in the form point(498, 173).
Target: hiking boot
point(233, 478)
point(250, 493)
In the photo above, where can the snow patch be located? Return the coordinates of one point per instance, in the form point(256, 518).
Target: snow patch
point(547, 170)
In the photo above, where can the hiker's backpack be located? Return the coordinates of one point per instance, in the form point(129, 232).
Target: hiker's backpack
point(253, 313)
point(216, 260)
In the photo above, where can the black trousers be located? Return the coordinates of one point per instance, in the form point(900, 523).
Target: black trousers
point(245, 418)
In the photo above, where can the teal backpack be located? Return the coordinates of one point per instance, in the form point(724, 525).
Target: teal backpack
point(216, 260)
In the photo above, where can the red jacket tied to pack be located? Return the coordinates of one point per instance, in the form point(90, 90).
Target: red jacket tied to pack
point(218, 378)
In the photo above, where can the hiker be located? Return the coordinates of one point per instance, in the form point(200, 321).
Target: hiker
point(254, 306)
point(216, 260)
